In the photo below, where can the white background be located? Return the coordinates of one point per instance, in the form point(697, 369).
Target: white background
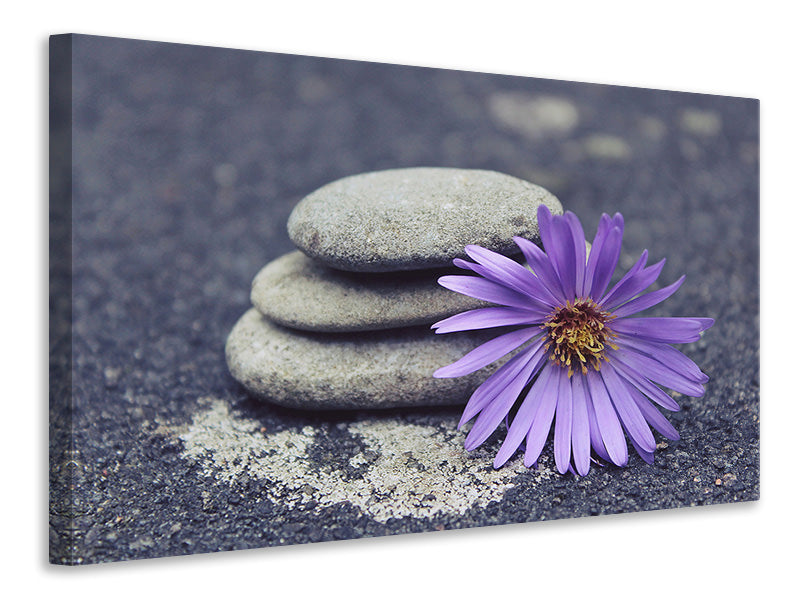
point(741, 49)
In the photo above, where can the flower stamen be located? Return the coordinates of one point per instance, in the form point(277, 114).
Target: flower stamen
point(578, 335)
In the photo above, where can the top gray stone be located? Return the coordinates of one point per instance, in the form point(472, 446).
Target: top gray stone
point(421, 218)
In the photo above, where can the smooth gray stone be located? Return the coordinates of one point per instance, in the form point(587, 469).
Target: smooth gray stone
point(347, 371)
point(405, 219)
point(301, 293)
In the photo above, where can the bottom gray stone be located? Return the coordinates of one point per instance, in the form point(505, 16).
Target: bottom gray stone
point(366, 370)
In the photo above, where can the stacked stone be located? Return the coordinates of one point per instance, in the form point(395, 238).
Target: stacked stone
point(344, 322)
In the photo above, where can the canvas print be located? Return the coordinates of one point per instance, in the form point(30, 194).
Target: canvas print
point(297, 299)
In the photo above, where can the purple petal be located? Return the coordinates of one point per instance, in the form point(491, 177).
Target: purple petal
point(655, 371)
point(488, 390)
point(606, 263)
point(567, 266)
point(646, 386)
point(543, 419)
point(482, 289)
point(645, 301)
point(607, 421)
point(581, 450)
point(522, 421)
point(493, 414)
point(635, 285)
point(635, 269)
point(669, 330)
point(545, 220)
point(579, 242)
point(509, 272)
point(594, 429)
point(653, 415)
point(630, 415)
point(543, 268)
point(484, 318)
point(489, 352)
point(668, 356)
point(540, 298)
point(562, 438)
point(646, 455)
point(557, 241)
point(603, 227)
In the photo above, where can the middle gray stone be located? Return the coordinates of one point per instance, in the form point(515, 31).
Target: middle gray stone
point(298, 292)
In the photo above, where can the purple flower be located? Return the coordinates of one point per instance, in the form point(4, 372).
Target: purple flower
point(588, 365)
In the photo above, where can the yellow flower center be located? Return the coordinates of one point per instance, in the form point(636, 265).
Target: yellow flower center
point(578, 335)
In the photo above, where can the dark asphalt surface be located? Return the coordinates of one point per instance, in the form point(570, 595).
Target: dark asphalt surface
point(187, 163)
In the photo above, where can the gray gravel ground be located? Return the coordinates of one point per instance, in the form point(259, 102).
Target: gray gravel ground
point(187, 162)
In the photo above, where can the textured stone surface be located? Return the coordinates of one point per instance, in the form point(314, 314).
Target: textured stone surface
point(382, 369)
point(298, 292)
point(403, 219)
